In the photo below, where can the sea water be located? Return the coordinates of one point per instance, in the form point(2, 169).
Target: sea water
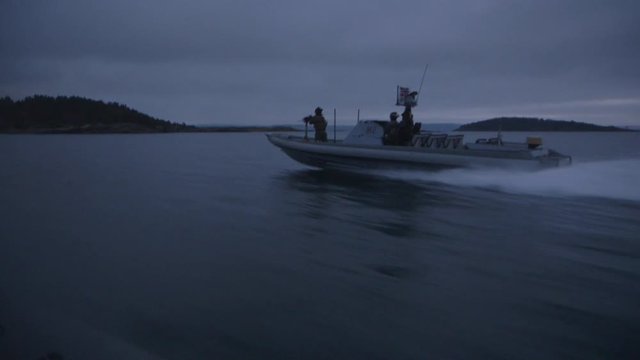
point(194, 246)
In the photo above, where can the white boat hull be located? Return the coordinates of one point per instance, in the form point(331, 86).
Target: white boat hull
point(341, 155)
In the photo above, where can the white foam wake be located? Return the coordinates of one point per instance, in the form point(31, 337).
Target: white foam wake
point(617, 179)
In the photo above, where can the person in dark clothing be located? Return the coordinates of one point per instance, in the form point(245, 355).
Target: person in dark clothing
point(391, 130)
point(406, 126)
point(319, 125)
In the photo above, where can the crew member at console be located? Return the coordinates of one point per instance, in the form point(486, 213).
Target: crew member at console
point(406, 126)
point(391, 130)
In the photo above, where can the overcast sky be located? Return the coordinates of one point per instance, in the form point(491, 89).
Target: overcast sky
point(273, 62)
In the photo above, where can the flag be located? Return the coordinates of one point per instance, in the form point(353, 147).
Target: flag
point(406, 97)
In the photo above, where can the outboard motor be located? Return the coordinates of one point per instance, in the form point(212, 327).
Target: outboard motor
point(533, 142)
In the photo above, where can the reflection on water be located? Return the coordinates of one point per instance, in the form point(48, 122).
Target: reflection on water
point(367, 190)
point(388, 205)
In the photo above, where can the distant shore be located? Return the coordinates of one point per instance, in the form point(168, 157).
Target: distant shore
point(229, 129)
point(41, 114)
point(536, 124)
point(134, 129)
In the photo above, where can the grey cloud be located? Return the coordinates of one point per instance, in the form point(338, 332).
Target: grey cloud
point(260, 62)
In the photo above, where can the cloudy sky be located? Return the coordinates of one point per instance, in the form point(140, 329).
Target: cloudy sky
point(273, 62)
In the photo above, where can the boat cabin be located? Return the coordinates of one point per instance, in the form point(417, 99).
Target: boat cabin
point(375, 132)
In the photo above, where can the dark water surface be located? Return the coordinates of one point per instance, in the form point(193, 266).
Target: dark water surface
point(203, 246)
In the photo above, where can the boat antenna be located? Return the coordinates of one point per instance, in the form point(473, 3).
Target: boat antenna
point(422, 81)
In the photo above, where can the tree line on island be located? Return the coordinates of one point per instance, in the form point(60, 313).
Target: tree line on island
point(78, 115)
point(533, 124)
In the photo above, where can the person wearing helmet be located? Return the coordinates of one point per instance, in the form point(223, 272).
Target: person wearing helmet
point(406, 126)
point(319, 124)
point(391, 130)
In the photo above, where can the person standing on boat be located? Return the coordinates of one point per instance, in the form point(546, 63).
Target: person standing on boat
point(405, 129)
point(391, 130)
point(319, 124)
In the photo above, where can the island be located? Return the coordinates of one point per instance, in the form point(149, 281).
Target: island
point(533, 124)
point(42, 114)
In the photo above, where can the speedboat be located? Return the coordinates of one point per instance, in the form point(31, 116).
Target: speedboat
point(365, 147)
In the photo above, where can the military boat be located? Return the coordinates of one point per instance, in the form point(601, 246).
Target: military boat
point(365, 147)
point(376, 144)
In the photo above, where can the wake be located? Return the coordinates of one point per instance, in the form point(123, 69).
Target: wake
point(614, 179)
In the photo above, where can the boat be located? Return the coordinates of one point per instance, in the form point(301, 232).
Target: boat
point(370, 144)
point(364, 148)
